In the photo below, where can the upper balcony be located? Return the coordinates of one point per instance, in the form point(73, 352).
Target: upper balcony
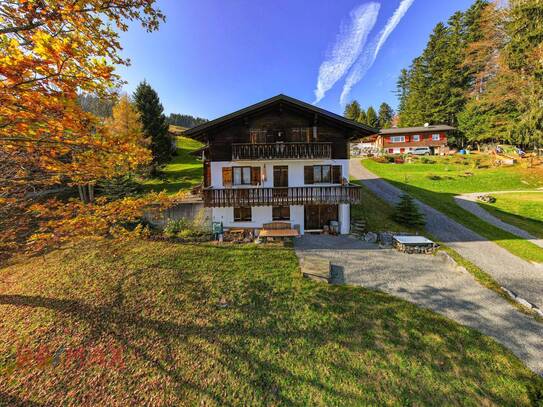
point(281, 151)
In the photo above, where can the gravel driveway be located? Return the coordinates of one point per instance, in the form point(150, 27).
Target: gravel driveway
point(519, 276)
point(430, 282)
point(469, 203)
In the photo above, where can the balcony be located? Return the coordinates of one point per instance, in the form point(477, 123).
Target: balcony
point(282, 151)
point(314, 195)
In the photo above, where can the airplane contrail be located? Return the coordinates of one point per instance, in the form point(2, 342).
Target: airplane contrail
point(349, 42)
point(368, 56)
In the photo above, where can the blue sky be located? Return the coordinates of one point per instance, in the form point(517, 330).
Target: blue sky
point(212, 57)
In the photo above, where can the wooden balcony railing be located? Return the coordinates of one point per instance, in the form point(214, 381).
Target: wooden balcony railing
point(281, 151)
point(314, 195)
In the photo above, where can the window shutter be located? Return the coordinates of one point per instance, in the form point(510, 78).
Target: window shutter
point(255, 176)
point(336, 174)
point(207, 174)
point(227, 176)
point(308, 174)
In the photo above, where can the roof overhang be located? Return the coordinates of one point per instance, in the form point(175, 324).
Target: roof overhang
point(357, 129)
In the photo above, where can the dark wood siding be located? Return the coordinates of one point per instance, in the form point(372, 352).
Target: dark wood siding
point(280, 118)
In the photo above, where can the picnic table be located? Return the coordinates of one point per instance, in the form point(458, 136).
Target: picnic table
point(278, 229)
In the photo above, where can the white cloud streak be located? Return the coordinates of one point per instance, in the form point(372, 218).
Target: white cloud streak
point(349, 43)
point(368, 56)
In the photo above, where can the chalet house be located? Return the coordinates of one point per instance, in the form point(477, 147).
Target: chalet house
point(279, 160)
point(399, 140)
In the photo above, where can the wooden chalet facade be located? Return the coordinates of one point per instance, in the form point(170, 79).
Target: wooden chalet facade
point(398, 140)
point(279, 160)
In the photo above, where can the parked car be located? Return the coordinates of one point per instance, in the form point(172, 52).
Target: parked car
point(420, 151)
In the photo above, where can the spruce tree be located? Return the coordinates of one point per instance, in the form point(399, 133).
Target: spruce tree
point(407, 213)
point(386, 114)
point(352, 110)
point(153, 122)
point(371, 117)
point(362, 118)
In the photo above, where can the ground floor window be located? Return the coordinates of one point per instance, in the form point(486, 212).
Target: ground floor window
point(281, 213)
point(242, 214)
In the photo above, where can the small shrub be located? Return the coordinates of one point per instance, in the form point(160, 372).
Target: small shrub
point(407, 213)
point(173, 227)
point(380, 159)
point(187, 230)
point(426, 160)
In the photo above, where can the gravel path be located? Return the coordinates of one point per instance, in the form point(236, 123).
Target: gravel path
point(469, 203)
point(430, 282)
point(519, 276)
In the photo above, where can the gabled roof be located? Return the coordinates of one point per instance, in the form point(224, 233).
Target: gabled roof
point(198, 131)
point(420, 129)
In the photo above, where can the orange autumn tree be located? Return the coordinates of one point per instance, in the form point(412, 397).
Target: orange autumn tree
point(49, 51)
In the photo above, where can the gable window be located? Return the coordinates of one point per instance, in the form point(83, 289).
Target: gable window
point(242, 175)
point(436, 137)
point(281, 213)
point(257, 135)
point(242, 214)
point(397, 139)
point(416, 137)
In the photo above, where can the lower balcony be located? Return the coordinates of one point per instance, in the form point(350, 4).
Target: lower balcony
point(314, 195)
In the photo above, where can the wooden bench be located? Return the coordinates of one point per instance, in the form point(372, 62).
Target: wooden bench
point(278, 229)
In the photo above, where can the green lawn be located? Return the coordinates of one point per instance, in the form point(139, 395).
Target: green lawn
point(524, 210)
point(437, 183)
point(182, 173)
point(281, 340)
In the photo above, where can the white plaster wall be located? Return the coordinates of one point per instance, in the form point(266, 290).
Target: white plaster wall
point(295, 171)
point(260, 215)
point(344, 215)
point(263, 214)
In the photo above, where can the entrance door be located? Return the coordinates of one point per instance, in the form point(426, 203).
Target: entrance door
point(317, 216)
point(280, 176)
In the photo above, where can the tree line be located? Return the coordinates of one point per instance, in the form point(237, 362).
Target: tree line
point(381, 120)
point(185, 120)
point(481, 72)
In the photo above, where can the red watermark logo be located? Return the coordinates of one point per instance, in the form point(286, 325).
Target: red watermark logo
point(44, 356)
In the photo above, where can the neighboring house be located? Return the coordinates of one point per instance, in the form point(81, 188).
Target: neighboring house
point(279, 160)
point(399, 140)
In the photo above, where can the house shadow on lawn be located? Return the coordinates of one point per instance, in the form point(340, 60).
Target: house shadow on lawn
point(288, 343)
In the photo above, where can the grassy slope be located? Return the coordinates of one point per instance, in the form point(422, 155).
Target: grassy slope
point(455, 179)
point(524, 210)
point(283, 340)
point(183, 172)
point(376, 213)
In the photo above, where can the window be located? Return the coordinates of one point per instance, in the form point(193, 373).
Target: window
point(416, 137)
point(242, 214)
point(301, 134)
point(322, 174)
point(397, 139)
point(281, 213)
point(257, 135)
point(242, 175)
point(436, 137)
